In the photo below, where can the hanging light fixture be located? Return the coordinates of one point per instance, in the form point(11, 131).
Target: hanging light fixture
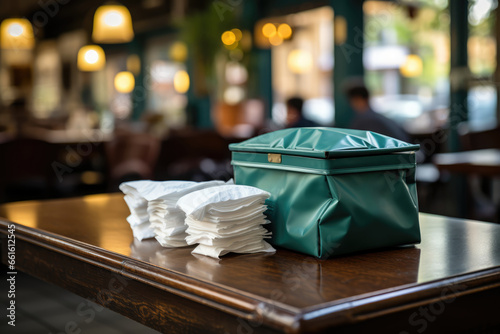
point(91, 58)
point(124, 82)
point(16, 34)
point(112, 24)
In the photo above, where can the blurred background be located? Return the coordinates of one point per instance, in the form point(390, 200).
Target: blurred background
point(95, 93)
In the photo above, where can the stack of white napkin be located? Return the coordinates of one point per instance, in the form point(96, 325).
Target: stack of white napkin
point(153, 211)
point(225, 219)
point(138, 205)
point(167, 220)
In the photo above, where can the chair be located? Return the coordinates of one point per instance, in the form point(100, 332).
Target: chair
point(483, 208)
point(131, 156)
point(478, 139)
point(191, 154)
point(25, 169)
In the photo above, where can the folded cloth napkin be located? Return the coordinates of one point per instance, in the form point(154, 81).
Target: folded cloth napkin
point(226, 219)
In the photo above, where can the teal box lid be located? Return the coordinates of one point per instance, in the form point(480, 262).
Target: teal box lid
point(323, 142)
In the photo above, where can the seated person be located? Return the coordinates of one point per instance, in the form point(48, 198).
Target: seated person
point(294, 116)
point(369, 120)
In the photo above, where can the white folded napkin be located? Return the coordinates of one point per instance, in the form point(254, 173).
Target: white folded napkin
point(226, 198)
point(226, 219)
point(167, 220)
point(153, 210)
point(142, 231)
point(215, 252)
point(138, 206)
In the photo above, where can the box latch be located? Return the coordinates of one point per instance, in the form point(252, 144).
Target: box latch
point(274, 158)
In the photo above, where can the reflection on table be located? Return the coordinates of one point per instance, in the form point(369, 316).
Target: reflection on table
point(94, 227)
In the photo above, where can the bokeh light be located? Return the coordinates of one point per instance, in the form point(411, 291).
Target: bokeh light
point(234, 95)
point(268, 30)
point(236, 74)
point(412, 67)
point(16, 34)
point(237, 33)
point(228, 38)
point(231, 46)
point(275, 39)
point(112, 24)
point(15, 30)
point(285, 31)
point(178, 52)
point(124, 82)
point(299, 61)
point(113, 18)
point(181, 82)
point(91, 58)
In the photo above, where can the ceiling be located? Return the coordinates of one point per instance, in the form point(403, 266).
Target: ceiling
point(51, 18)
point(17, 8)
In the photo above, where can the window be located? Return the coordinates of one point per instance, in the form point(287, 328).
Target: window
point(166, 80)
point(302, 65)
point(482, 51)
point(407, 60)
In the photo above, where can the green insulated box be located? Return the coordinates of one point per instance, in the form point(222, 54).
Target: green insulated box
point(333, 191)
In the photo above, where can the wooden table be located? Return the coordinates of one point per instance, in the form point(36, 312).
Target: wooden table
point(478, 162)
point(449, 283)
point(474, 165)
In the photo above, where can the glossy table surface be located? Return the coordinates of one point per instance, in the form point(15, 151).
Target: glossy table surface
point(286, 290)
point(484, 162)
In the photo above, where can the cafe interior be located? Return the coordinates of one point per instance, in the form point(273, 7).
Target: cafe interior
point(95, 93)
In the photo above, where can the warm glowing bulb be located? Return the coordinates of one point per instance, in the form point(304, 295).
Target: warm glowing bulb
point(412, 67)
point(232, 46)
point(181, 82)
point(228, 38)
point(113, 18)
point(124, 82)
point(275, 39)
point(15, 30)
point(268, 30)
point(91, 56)
point(237, 33)
point(285, 31)
point(16, 34)
point(112, 24)
point(299, 61)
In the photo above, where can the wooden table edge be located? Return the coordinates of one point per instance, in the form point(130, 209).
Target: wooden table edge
point(405, 297)
point(254, 308)
point(467, 168)
point(231, 301)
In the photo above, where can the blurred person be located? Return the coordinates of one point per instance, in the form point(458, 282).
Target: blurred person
point(369, 120)
point(294, 114)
